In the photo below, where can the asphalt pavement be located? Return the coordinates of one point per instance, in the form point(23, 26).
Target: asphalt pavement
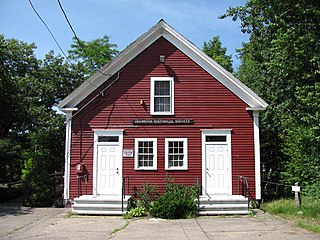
point(18, 222)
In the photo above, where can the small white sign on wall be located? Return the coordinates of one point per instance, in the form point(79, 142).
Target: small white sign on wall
point(127, 153)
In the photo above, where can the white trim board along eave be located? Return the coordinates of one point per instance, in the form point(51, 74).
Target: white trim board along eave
point(162, 29)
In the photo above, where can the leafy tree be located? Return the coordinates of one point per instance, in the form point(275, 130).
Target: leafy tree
point(11, 160)
point(16, 60)
point(32, 133)
point(93, 54)
point(218, 53)
point(281, 63)
point(51, 82)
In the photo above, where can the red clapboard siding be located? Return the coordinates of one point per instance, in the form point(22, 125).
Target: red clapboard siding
point(197, 96)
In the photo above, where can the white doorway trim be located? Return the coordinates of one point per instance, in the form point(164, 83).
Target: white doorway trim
point(216, 132)
point(98, 133)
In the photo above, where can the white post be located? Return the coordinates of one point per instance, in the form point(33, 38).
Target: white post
point(67, 158)
point(257, 153)
point(297, 196)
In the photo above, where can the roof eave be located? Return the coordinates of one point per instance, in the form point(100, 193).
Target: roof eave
point(112, 67)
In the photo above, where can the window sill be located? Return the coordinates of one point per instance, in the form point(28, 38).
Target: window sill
point(176, 169)
point(162, 114)
point(145, 169)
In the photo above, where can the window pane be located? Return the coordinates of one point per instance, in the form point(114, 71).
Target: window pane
point(145, 154)
point(162, 104)
point(162, 96)
point(162, 88)
point(175, 154)
point(108, 138)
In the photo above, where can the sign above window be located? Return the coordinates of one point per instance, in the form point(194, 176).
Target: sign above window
point(162, 122)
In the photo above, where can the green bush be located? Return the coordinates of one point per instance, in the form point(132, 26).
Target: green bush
point(178, 201)
point(312, 191)
point(147, 194)
point(135, 212)
point(38, 185)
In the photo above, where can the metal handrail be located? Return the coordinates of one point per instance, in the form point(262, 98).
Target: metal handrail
point(85, 178)
point(245, 188)
point(197, 186)
point(123, 192)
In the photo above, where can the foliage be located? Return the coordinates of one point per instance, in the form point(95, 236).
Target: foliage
point(38, 185)
point(147, 194)
point(135, 212)
point(32, 132)
point(178, 201)
point(132, 203)
point(218, 53)
point(11, 160)
point(7, 194)
point(281, 62)
point(17, 59)
point(94, 54)
point(312, 190)
point(307, 216)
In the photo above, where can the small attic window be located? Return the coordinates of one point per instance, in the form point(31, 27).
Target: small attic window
point(162, 96)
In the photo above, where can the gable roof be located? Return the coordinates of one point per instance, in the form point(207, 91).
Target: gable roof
point(162, 29)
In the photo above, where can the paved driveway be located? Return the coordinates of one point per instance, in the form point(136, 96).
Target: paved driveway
point(52, 223)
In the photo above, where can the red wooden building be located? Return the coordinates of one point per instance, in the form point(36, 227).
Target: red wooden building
point(161, 107)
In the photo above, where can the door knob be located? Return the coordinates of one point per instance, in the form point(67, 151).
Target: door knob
point(117, 170)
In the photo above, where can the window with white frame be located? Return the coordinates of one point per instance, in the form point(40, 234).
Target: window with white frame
point(162, 96)
point(176, 150)
point(145, 153)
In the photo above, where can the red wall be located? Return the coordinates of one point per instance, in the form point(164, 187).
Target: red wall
point(198, 96)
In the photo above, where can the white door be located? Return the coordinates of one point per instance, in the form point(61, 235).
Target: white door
point(218, 170)
point(108, 170)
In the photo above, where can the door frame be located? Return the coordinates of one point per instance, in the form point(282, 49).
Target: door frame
point(215, 132)
point(97, 134)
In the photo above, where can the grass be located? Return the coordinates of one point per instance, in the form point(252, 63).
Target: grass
point(118, 229)
point(307, 216)
point(70, 214)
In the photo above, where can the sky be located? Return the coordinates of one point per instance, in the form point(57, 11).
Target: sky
point(122, 20)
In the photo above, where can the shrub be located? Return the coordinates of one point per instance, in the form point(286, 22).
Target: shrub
point(135, 212)
point(312, 190)
point(178, 201)
point(147, 194)
point(38, 185)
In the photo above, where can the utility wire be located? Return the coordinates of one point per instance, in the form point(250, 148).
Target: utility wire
point(279, 184)
point(78, 40)
point(49, 32)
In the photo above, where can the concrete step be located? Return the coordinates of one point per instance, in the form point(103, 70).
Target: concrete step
point(100, 205)
point(81, 201)
point(223, 205)
point(99, 212)
point(224, 212)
